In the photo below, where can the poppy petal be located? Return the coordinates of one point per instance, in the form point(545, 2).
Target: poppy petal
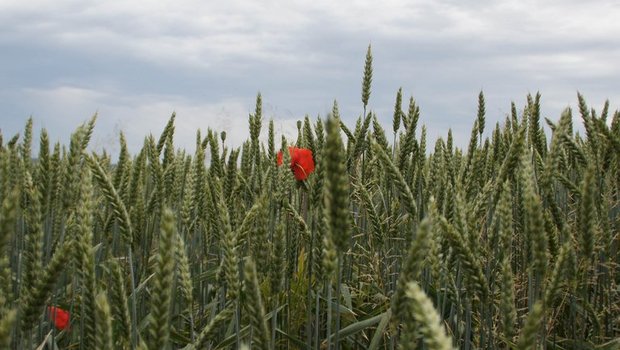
point(59, 317)
point(302, 163)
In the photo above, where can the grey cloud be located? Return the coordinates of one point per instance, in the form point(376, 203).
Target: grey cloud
point(207, 60)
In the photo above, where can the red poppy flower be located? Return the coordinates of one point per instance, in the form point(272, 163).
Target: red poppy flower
point(59, 317)
point(302, 163)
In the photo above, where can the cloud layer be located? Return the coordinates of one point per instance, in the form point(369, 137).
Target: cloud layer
point(134, 63)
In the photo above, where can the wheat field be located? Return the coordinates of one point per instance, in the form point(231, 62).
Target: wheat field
point(388, 240)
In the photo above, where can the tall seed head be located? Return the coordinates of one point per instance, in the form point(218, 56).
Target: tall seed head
point(367, 77)
point(271, 146)
point(254, 305)
point(379, 134)
point(587, 214)
point(26, 145)
point(534, 220)
point(529, 334)
point(163, 281)
point(336, 193)
point(6, 325)
point(308, 137)
point(397, 110)
point(507, 307)
point(329, 260)
point(481, 113)
point(104, 337)
point(413, 114)
point(427, 319)
point(412, 267)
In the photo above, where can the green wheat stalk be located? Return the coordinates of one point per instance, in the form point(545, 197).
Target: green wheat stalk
point(103, 316)
point(162, 289)
point(427, 320)
point(254, 306)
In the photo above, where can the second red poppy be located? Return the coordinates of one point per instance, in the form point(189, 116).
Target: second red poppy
point(302, 163)
point(60, 318)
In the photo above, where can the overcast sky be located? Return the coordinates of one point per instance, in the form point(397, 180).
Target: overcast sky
point(135, 62)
